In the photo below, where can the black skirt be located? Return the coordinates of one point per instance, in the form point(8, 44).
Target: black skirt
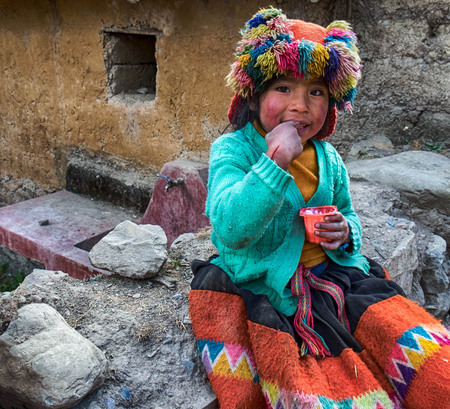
point(360, 291)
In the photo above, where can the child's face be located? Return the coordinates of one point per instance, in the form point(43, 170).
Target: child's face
point(294, 99)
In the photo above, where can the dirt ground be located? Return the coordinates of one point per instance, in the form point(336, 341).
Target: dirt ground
point(142, 327)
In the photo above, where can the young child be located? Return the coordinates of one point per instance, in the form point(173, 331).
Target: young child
point(282, 322)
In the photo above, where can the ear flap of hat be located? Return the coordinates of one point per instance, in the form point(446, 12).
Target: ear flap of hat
point(235, 102)
point(331, 122)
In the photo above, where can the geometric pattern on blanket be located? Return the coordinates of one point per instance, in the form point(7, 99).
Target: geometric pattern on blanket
point(406, 356)
point(233, 360)
point(410, 352)
point(220, 358)
point(282, 399)
point(413, 350)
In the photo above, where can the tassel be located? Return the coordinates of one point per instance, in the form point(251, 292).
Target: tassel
point(312, 343)
point(301, 282)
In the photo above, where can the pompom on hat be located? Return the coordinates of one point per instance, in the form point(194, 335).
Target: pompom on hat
point(273, 45)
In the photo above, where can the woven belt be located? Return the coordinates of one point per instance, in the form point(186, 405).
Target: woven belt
point(301, 282)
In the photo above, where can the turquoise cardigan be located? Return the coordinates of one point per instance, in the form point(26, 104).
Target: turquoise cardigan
point(253, 207)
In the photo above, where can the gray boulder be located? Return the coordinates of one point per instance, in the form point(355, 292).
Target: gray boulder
point(131, 250)
point(45, 362)
point(422, 177)
point(389, 240)
point(373, 147)
point(435, 276)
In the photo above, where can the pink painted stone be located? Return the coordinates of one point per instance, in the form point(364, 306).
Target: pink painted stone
point(182, 208)
point(72, 219)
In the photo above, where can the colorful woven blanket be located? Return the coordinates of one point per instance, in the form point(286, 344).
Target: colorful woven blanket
point(400, 357)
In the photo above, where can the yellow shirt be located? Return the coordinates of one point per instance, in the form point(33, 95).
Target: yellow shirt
point(305, 171)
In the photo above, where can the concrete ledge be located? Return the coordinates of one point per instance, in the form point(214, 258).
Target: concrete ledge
point(58, 230)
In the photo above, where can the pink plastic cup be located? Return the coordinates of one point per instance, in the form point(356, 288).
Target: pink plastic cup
point(313, 215)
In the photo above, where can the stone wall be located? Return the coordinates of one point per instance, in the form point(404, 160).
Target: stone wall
point(57, 91)
point(404, 93)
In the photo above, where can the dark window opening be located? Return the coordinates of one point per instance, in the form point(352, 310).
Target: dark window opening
point(130, 64)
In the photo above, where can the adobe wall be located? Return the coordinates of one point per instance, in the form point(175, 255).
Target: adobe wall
point(54, 95)
point(55, 101)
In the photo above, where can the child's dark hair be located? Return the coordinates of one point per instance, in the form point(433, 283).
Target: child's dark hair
point(247, 110)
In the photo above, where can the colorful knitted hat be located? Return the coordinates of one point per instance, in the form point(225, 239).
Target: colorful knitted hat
point(272, 45)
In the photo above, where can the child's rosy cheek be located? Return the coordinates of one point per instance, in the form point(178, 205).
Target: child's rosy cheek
point(271, 110)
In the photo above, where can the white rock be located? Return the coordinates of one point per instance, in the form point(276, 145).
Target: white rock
point(190, 246)
point(43, 278)
point(45, 362)
point(131, 250)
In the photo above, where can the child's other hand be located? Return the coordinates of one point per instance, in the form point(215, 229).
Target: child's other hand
point(337, 231)
point(284, 144)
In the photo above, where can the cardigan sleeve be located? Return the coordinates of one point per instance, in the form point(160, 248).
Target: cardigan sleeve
point(245, 191)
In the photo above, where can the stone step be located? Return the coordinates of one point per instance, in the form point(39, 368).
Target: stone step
point(59, 229)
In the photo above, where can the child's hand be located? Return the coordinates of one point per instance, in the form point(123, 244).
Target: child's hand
point(284, 144)
point(337, 231)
